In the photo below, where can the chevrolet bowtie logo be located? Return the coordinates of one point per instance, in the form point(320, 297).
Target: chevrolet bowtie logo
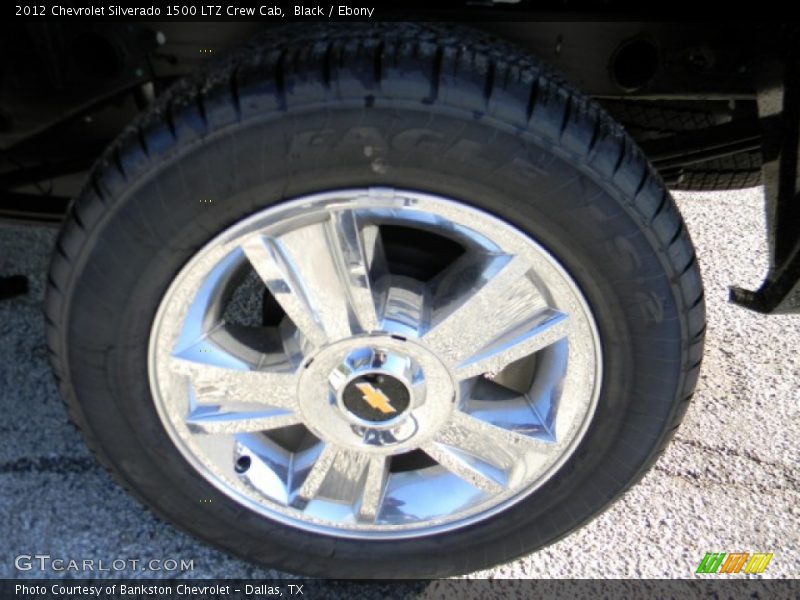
point(376, 398)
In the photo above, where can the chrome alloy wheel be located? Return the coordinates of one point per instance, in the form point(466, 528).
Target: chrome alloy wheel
point(376, 404)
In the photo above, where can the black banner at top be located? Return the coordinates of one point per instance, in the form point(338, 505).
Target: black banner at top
point(279, 11)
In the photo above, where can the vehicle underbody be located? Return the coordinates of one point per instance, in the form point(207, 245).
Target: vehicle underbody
point(713, 108)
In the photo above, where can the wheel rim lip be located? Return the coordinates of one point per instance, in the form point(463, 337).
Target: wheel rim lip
point(291, 210)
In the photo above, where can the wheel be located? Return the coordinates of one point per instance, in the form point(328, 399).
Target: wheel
point(375, 301)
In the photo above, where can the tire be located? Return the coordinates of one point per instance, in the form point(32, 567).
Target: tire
point(650, 120)
point(434, 109)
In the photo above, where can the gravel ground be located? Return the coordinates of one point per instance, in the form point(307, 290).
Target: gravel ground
point(729, 482)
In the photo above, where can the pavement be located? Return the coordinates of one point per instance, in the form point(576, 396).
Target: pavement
point(729, 482)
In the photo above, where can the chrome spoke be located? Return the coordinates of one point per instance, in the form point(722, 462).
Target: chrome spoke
point(314, 477)
point(529, 414)
point(373, 488)
point(340, 475)
point(539, 331)
point(361, 260)
point(484, 454)
point(194, 315)
point(501, 290)
point(482, 476)
point(489, 442)
point(314, 255)
point(285, 285)
point(237, 419)
point(329, 276)
point(407, 307)
point(213, 384)
point(345, 481)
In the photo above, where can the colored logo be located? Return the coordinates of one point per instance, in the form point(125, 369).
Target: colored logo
point(737, 562)
point(376, 398)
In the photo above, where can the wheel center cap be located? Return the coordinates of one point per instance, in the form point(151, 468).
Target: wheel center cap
point(376, 394)
point(375, 386)
point(376, 397)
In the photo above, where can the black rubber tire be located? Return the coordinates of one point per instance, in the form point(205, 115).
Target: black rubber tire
point(649, 120)
point(445, 110)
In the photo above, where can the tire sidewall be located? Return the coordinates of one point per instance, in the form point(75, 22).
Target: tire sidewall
point(548, 194)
